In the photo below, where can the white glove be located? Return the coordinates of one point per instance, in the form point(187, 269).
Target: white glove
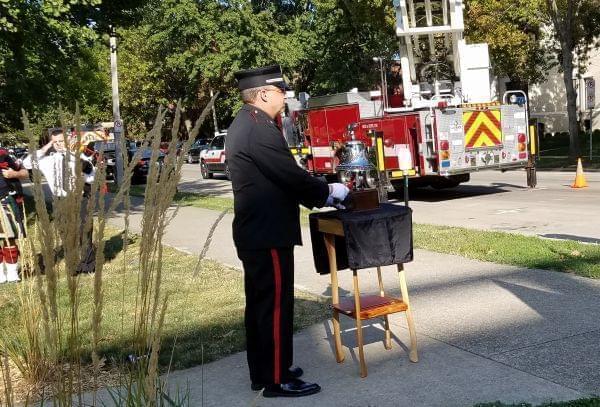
point(337, 193)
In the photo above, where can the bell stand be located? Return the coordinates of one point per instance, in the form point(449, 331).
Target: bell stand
point(363, 307)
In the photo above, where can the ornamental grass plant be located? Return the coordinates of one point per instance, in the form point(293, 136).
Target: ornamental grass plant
point(57, 346)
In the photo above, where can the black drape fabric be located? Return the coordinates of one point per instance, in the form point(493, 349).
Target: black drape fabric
point(378, 237)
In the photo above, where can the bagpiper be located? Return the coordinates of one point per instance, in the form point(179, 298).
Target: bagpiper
point(11, 215)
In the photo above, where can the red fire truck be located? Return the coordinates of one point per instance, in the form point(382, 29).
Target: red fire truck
point(446, 124)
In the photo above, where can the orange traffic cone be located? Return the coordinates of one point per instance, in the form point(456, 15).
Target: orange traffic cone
point(579, 177)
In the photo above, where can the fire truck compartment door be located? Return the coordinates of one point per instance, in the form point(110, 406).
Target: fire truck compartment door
point(450, 134)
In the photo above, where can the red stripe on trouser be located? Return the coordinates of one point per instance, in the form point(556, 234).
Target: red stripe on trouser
point(277, 318)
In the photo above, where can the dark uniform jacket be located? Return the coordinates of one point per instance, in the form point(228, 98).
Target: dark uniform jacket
point(9, 185)
point(267, 183)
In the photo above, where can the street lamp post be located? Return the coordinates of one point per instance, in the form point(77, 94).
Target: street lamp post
point(214, 114)
point(383, 84)
point(117, 122)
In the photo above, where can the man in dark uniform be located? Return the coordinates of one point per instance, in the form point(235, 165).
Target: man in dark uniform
point(268, 185)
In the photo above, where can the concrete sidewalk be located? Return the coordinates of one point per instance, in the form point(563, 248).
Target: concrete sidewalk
point(487, 332)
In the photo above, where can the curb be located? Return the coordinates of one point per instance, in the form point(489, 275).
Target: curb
point(567, 169)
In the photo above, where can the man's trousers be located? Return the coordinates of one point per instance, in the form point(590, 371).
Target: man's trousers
point(269, 316)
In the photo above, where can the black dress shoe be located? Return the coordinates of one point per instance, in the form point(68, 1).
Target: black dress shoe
point(257, 386)
point(294, 388)
point(295, 372)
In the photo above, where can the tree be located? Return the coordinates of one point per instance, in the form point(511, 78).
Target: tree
point(12, 11)
point(512, 29)
point(52, 52)
point(46, 61)
point(344, 37)
point(576, 27)
point(183, 49)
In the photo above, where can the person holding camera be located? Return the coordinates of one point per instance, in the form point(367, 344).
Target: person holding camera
point(58, 166)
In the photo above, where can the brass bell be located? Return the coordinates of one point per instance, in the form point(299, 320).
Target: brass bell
point(353, 157)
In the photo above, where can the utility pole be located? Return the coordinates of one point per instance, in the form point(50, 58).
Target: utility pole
point(590, 103)
point(214, 114)
point(117, 122)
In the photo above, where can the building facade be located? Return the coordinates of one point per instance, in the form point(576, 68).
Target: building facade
point(548, 100)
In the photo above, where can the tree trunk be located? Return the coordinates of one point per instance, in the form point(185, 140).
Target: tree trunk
point(562, 20)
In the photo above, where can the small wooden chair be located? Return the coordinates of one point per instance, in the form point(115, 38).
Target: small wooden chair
point(366, 306)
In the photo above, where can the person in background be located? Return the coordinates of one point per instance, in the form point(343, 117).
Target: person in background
point(396, 93)
point(51, 159)
point(268, 187)
point(11, 215)
point(15, 186)
point(60, 175)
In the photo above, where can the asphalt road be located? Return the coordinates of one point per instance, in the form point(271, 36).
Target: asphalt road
point(191, 181)
point(491, 200)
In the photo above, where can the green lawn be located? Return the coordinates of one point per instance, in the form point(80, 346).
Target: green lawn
point(565, 163)
point(202, 201)
point(511, 248)
point(191, 199)
point(204, 319)
point(498, 247)
point(558, 157)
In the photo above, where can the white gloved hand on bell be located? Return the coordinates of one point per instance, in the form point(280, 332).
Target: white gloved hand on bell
point(337, 193)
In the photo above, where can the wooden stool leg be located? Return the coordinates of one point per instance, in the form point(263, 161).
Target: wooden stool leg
point(413, 355)
point(386, 321)
point(335, 296)
point(359, 333)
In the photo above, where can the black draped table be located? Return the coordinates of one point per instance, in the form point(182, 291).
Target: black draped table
point(377, 237)
point(358, 240)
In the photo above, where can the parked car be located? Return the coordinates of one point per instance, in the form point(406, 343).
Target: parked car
point(108, 156)
point(142, 167)
point(213, 159)
point(193, 155)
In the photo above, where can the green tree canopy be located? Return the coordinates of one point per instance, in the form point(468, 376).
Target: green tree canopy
point(56, 52)
point(52, 53)
point(46, 60)
point(513, 30)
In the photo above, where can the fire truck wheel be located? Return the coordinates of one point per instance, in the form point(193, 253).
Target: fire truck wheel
point(451, 181)
point(444, 184)
point(204, 170)
point(413, 184)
